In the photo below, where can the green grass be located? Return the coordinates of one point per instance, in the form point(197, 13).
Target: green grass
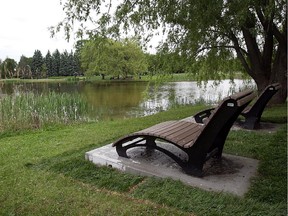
point(45, 173)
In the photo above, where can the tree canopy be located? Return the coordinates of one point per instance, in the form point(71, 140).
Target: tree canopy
point(24, 67)
point(253, 30)
point(109, 57)
point(8, 68)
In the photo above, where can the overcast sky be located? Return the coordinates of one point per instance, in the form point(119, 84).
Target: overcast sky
point(24, 28)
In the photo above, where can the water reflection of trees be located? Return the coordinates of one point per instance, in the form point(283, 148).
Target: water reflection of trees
point(114, 95)
point(123, 99)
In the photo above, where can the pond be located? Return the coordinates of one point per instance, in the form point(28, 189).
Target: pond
point(122, 99)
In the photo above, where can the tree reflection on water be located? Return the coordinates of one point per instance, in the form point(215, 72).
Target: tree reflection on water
point(122, 99)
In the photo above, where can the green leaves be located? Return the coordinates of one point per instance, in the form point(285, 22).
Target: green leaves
point(115, 58)
point(254, 31)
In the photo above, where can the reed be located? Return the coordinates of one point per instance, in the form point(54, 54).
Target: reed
point(26, 111)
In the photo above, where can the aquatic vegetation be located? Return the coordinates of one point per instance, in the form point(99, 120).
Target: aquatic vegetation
point(30, 110)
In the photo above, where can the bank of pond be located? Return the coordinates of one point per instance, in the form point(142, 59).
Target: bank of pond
point(37, 104)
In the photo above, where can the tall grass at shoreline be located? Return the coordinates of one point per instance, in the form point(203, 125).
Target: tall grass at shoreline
point(28, 111)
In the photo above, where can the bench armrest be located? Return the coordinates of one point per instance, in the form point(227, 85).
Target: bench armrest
point(200, 116)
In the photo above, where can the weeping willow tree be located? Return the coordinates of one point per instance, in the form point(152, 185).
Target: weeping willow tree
point(109, 57)
point(255, 31)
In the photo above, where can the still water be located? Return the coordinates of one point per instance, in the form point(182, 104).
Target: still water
point(132, 99)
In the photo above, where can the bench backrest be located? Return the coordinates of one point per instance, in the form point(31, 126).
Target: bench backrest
point(230, 107)
point(258, 107)
point(222, 118)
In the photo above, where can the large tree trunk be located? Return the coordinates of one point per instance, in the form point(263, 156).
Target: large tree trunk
point(279, 74)
point(276, 72)
point(265, 67)
point(266, 63)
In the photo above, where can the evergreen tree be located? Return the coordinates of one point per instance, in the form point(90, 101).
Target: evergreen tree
point(49, 64)
point(37, 64)
point(64, 65)
point(72, 64)
point(55, 63)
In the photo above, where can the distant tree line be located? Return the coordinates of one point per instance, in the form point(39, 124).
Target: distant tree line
point(125, 59)
point(39, 66)
point(117, 59)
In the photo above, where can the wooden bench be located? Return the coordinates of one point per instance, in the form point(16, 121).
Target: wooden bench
point(252, 113)
point(198, 141)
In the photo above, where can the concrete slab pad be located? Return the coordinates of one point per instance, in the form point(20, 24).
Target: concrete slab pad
point(232, 174)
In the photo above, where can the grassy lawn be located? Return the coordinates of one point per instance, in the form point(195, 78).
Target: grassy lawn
point(44, 172)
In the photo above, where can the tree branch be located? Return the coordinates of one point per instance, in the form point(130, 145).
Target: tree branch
point(109, 8)
point(254, 53)
point(281, 38)
point(240, 55)
point(220, 46)
point(266, 24)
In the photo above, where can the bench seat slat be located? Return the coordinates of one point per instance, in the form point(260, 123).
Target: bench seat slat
point(181, 132)
point(182, 126)
point(188, 140)
point(161, 127)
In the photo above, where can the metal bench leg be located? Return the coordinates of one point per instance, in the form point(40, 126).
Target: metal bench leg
point(193, 169)
point(150, 145)
point(194, 165)
point(251, 123)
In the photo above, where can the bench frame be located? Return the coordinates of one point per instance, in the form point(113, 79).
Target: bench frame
point(205, 142)
point(252, 114)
